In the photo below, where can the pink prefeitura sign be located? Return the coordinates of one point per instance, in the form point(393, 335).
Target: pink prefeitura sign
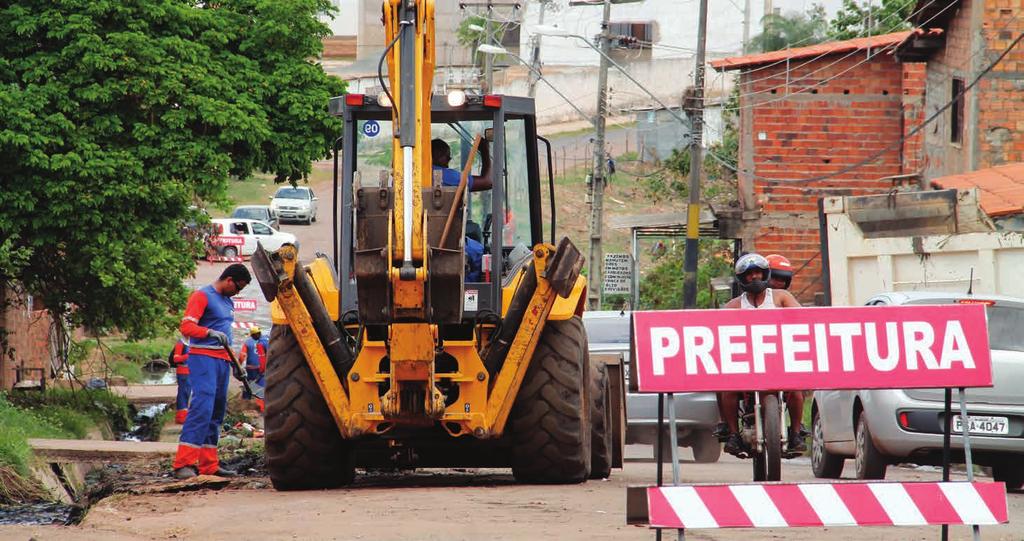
point(892, 347)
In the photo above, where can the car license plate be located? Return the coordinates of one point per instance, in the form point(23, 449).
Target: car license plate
point(980, 424)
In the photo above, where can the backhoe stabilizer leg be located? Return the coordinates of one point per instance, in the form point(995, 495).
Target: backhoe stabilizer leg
point(556, 271)
point(275, 273)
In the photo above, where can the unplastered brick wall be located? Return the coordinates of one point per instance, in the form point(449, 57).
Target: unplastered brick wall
point(27, 335)
point(812, 118)
point(914, 85)
point(1001, 93)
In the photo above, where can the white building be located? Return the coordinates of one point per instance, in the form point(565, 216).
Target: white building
point(346, 18)
point(671, 26)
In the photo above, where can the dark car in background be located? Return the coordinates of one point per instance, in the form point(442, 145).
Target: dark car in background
point(696, 413)
point(257, 212)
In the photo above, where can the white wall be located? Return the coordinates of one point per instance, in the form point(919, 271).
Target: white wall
point(676, 20)
point(346, 19)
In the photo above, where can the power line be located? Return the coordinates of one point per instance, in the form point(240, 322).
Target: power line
point(902, 139)
point(822, 55)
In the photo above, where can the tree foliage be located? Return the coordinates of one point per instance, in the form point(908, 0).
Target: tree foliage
point(662, 287)
point(868, 18)
point(117, 115)
point(791, 29)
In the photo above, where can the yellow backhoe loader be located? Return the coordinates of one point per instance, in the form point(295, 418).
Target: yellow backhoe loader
point(391, 354)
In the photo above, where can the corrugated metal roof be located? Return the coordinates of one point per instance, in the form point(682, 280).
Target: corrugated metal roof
point(1001, 188)
point(833, 47)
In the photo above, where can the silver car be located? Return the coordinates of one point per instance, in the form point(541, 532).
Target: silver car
point(696, 413)
point(881, 427)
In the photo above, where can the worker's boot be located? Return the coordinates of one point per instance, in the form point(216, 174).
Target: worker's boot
point(222, 472)
point(185, 472)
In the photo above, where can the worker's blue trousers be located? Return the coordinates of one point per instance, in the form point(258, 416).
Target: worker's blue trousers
point(184, 392)
point(209, 377)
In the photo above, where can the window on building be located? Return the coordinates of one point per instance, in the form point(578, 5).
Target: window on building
point(956, 113)
point(632, 35)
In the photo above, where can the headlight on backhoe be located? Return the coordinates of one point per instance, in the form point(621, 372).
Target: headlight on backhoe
point(456, 98)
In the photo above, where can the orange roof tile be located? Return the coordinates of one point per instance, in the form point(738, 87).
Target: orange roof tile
point(821, 49)
point(1000, 189)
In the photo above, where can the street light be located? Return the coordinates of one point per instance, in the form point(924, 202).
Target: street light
point(489, 49)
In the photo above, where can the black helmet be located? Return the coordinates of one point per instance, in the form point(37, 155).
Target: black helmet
point(750, 262)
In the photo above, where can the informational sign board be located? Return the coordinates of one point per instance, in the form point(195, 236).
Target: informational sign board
point(873, 347)
point(618, 274)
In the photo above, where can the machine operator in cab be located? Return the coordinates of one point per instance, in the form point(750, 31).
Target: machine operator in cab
point(441, 155)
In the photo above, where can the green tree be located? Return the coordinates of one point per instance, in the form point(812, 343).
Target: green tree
point(119, 115)
point(662, 287)
point(792, 29)
point(868, 18)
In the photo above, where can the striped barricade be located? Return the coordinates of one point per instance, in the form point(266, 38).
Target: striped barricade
point(788, 505)
point(813, 348)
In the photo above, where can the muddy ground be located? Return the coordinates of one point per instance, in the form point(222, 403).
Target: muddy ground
point(447, 505)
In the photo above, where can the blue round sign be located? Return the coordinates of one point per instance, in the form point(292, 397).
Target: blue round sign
point(371, 128)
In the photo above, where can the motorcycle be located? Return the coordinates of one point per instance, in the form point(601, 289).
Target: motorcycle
point(762, 422)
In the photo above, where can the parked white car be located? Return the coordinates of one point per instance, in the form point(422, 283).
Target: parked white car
point(250, 232)
point(297, 204)
point(885, 426)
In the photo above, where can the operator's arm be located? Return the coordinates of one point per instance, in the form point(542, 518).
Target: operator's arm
point(786, 299)
point(193, 311)
point(483, 181)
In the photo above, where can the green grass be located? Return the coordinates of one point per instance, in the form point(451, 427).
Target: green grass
point(17, 425)
point(129, 370)
point(99, 406)
point(142, 351)
point(258, 189)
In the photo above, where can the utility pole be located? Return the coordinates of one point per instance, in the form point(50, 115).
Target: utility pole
point(535, 54)
point(696, 137)
point(488, 65)
point(767, 23)
point(597, 179)
point(746, 24)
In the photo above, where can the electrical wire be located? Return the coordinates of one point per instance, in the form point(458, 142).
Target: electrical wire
point(902, 139)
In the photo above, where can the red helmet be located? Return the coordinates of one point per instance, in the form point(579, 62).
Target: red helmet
point(782, 269)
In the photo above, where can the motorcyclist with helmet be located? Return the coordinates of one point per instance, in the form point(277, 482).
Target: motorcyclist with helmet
point(753, 274)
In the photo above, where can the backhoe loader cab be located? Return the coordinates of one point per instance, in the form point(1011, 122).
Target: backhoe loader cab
point(516, 196)
point(388, 357)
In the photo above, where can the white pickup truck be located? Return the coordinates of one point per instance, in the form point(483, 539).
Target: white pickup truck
point(234, 237)
point(937, 240)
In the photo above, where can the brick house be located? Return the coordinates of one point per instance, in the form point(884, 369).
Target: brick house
point(24, 339)
point(817, 111)
point(985, 129)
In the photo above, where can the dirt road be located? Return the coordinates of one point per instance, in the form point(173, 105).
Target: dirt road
point(450, 505)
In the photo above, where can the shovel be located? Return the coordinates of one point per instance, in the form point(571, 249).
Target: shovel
point(254, 390)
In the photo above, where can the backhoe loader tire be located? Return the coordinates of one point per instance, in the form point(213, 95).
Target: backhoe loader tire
point(550, 420)
point(304, 449)
point(600, 423)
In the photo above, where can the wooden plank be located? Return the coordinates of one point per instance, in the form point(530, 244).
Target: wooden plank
point(54, 450)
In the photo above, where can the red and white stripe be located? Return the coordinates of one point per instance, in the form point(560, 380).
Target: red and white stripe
point(224, 258)
point(243, 325)
point(785, 505)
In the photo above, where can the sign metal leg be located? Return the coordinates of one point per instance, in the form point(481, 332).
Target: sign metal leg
point(965, 427)
point(947, 428)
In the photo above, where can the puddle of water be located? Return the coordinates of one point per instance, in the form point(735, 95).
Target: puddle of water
point(39, 514)
point(142, 428)
point(158, 374)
